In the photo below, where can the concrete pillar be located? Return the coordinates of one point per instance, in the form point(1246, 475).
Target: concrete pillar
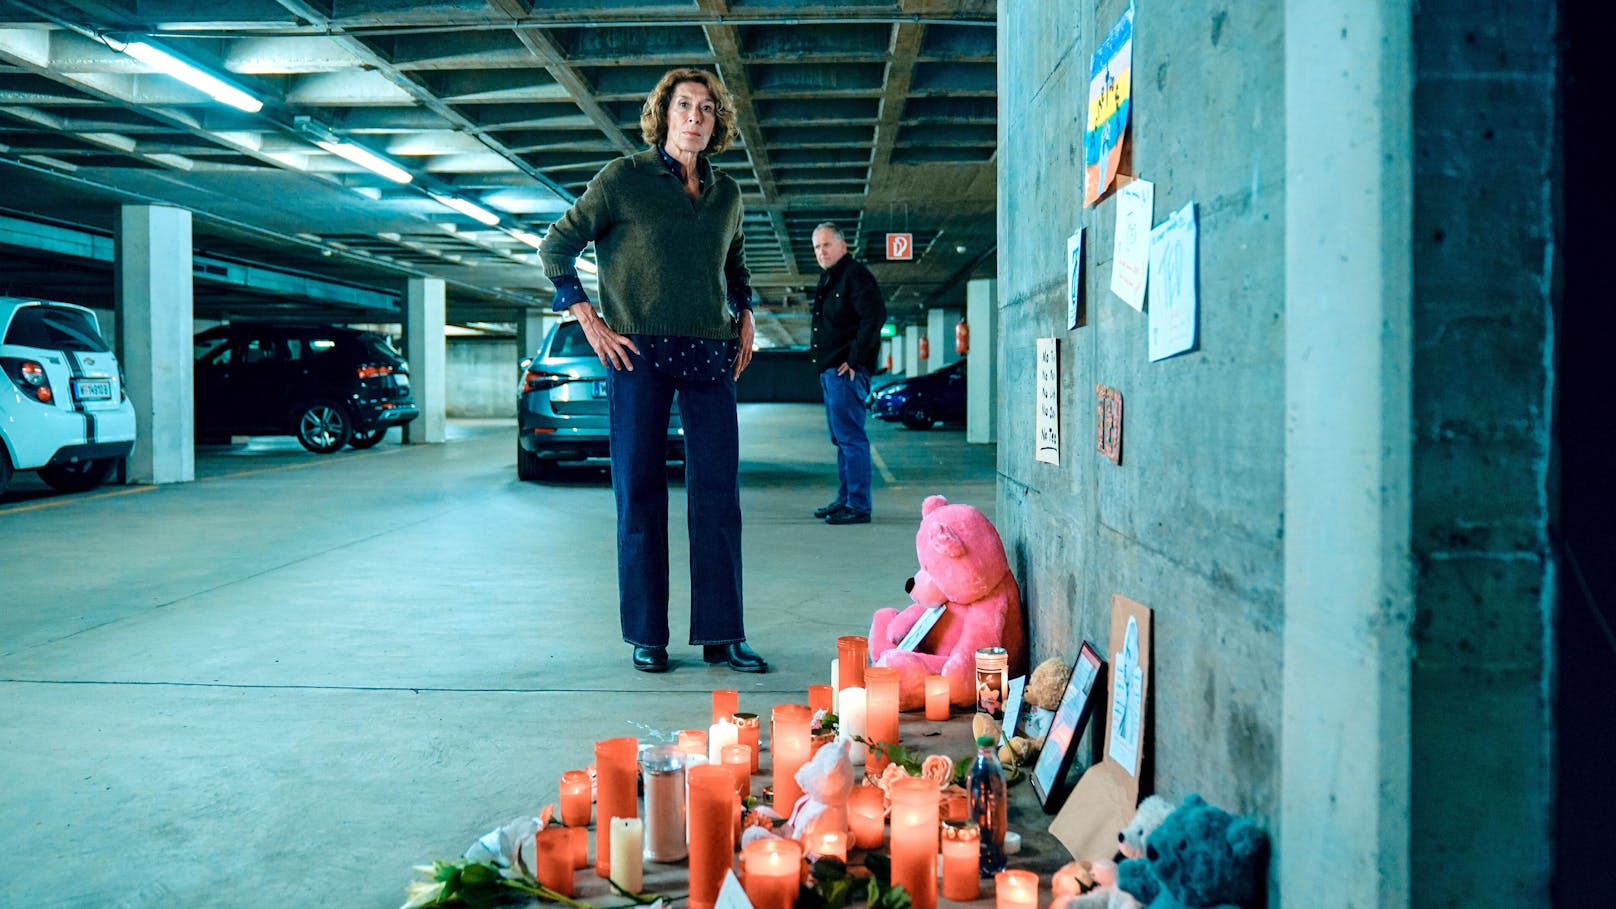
point(913, 365)
point(940, 332)
point(531, 327)
point(894, 348)
point(423, 340)
point(154, 330)
point(1345, 805)
point(981, 367)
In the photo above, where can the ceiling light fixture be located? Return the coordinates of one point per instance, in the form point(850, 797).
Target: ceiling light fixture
point(469, 209)
point(217, 88)
point(367, 159)
point(529, 237)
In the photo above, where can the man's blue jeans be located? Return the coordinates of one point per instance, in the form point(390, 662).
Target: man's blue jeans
point(844, 411)
point(640, 404)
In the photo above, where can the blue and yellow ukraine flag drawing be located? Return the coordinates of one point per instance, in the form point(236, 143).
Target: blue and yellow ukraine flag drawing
point(1110, 93)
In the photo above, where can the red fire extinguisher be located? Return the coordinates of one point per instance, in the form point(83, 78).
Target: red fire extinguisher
point(962, 338)
point(925, 348)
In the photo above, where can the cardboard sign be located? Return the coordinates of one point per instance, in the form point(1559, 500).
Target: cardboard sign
point(900, 247)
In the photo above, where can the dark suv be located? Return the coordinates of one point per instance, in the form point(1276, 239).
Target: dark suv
point(328, 386)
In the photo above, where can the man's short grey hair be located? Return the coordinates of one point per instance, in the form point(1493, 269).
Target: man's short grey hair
point(835, 231)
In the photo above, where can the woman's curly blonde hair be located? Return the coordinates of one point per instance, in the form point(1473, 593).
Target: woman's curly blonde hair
point(654, 115)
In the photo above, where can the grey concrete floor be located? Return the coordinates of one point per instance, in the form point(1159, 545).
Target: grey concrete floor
point(290, 681)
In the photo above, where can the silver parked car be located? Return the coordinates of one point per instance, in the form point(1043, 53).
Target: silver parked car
point(561, 406)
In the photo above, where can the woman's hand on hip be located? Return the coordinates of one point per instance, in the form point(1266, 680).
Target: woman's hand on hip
point(743, 356)
point(612, 348)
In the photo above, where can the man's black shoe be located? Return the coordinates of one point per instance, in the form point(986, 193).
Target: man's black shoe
point(825, 511)
point(738, 655)
point(845, 515)
point(651, 659)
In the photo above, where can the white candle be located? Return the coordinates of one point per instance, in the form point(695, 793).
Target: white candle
point(719, 735)
point(628, 838)
point(835, 680)
point(851, 721)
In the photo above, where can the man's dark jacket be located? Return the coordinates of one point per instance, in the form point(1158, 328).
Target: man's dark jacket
point(848, 315)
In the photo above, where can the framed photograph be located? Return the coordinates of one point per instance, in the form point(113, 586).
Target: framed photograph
point(1052, 773)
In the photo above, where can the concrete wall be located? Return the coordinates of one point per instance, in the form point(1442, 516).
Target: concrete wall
point(1361, 661)
point(482, 377)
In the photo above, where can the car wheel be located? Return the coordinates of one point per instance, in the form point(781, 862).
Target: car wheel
point(530, 466)
point(5, 470)
point(916, 416)
point(368, 438)
point(76, 477)
point(323, 427)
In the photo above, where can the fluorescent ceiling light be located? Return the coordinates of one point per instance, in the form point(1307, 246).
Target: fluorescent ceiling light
point(367, 159)
point(470, 210)
point(529, 237)
point(165, 62)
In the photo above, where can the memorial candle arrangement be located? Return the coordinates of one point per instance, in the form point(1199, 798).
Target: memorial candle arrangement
point(866, 816)
point(962, 849)
point(881, 711)
point(712, 840)
point(773, 869)
point(1015, 890)
point(575, 798)
point(616, 794)
point(790, 747)
point(936, 697)
point(914, 839)
point(628, 848)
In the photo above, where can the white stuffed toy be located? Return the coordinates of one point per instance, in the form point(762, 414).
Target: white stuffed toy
point(826, 783)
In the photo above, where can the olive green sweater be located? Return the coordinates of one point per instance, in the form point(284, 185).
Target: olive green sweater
point(666, 260)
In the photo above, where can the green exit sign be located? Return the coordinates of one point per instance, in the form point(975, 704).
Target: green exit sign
point(889, 330)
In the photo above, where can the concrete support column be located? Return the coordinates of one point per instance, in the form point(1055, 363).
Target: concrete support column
point(981, 371)
point(154, 331)
point(423, 339)
point(940, 334)
point(913, 365)
point(531, 326)
point(894, 346)
point(1345, 802)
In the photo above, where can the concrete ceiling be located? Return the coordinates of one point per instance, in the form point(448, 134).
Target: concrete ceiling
point(879, 116)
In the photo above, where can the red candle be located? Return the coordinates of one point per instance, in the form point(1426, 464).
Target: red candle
point(575, 800)
point(819, 698)
point(790, 746)
point(866, 815)
point(693, 741)
point(712, 841)
point(725, 702)
point(914, 839)
point(746, 727)
point(1015, 890)
point(881, 712)
point(936, 697)
point(580, 847)
point(962, 861)
point(773, 870)
point(615, 794)
point(831, 844)
point(552, 858)
point(852, 655)
point(738, 758)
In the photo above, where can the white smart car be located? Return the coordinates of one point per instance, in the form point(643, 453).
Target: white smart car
point(63, 410)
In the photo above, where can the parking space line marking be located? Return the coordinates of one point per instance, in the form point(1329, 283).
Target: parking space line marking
point(881, 464)
point(54, 503)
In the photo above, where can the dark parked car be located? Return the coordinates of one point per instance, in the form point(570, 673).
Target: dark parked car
point(924, 400)
point(327, 386)
point(561, 406)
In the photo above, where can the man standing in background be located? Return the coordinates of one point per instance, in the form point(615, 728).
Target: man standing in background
point(848, 315)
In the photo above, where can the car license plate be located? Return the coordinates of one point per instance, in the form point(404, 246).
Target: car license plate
point(598, 388)
point(92, 389)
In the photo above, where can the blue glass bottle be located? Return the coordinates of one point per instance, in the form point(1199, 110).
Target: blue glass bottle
point(985, 785)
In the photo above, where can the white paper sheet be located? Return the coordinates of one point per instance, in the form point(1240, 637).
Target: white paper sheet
point(1074, 280)
point(1130, 256)
point(1047, 419)
point(1172, 284)
point(1127, 690)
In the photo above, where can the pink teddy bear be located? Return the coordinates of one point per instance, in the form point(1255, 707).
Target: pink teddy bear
point(963, 566)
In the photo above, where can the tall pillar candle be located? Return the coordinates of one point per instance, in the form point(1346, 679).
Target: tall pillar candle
point(725, 702)
point(712, 842)
point(914, 839)
point(615, 793)
point(628, 853)
point(746, 727)
point(790, 748)
point(851, 722)
point(1015, 890)
point(866, 816)
point(962, 877)
point(664, 773)
point(773, 870)
point(575, 799)
point(819, 698)
point(936, 697)
point(718, 735)
point(553, 858)
point(852, 655)
point(881, 710)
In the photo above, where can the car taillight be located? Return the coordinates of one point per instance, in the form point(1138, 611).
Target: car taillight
point(29, 377)
point(539, 380)
point(372, 372)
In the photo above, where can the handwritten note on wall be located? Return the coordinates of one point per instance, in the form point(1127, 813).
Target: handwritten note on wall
point(1172, 284)
point(1130, 255)
point(1048, 399)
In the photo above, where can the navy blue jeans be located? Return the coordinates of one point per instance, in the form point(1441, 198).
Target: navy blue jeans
point(640, 403)
point(844, 411)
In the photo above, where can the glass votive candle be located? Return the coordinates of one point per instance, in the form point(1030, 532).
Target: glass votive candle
point(725, 702)
point(914, 839)
point(831, 844)
point(738, 758)
point(580, 847)
point(852, 655)
point(773, 868)
point(866, 815)
point(553, 858)
point(746, 731)
point(693, 741)
point(1015, 890)
point(576, 801)
point(819, 698)
point(936, 697)
point(962, 855)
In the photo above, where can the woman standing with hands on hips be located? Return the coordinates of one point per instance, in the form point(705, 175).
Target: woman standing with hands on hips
point(675, 318)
